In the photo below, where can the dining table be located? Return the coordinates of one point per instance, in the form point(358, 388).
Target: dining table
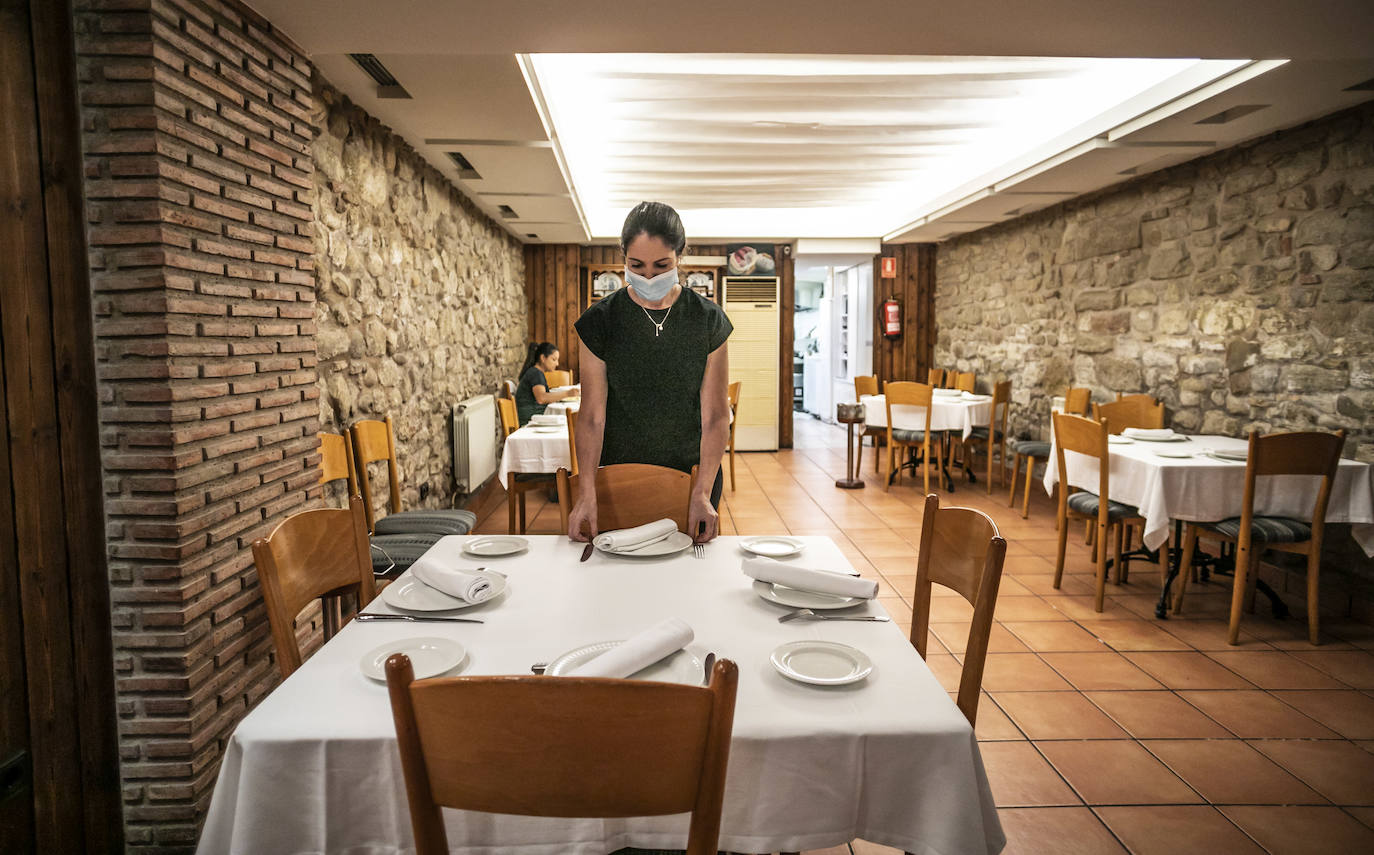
point(888, 758)
point(1202, 479)
point(535, 448)
point(949, 413)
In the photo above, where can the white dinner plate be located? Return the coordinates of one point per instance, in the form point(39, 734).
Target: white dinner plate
point(547, 429)
point(1230, 456)
point(680, 667)
point(545, 420)
point(1113, 439)
point(428, 656)
point(799, 599)
point(772, 546)
point(411, 595)
point(494, 545)
point(675, 542)
point(1178, 437)
point(821, 663)
point(1178, 454)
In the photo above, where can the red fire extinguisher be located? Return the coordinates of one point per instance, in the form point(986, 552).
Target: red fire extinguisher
point(892, 318)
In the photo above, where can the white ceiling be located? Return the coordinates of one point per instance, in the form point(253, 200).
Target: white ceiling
point(855, 142)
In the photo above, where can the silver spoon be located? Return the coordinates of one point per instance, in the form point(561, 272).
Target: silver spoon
point(808, 614)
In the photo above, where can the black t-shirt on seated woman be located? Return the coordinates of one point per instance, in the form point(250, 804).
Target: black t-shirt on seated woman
point(525, 404)
point(653, 379)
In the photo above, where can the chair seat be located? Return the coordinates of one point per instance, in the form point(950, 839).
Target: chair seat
point(533, 477)
point(982, 433)
point(1264, 529)
point(1032, 448)
point(904, 435)
point(427, 521)
point(401, 549)
point(1086, 503)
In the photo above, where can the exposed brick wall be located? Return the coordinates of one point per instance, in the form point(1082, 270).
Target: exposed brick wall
point(199, 194)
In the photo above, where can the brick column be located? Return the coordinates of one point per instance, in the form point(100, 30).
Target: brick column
point(199, 192)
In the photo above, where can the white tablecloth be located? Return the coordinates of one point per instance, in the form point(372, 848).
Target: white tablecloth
point(946, 414)
point(1204, 489)
point(314, 768)
point(558, 408)
point(532, 449)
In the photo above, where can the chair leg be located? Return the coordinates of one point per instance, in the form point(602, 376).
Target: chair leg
point(1030, 476)
point(1245, 567)
point(1252, 581)
point(522, 512)
point(510, 508)
point(1101, 549)
point(890, 476)
point(732, 460)
point(1089, 531)
point(1185, 561)
point(1063, 543)
point(1118, 573)
point(989, 466)
point(1015, 473)
point(925, 465)
point(1314, 563)
point(1163, 559)
point(939, 463)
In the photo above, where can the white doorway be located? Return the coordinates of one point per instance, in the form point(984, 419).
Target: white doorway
point(833, 330)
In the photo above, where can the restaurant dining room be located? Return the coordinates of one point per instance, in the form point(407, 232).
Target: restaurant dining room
point(529, 428)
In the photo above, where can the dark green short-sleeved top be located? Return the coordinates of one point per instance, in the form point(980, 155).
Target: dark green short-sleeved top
point(653, 382)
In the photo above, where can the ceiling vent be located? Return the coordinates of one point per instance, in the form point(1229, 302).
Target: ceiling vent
point(387, 86)
point(1366, 86)
point(1232, 114)
point(465, 170)
point(508, 212)
point(531, 235)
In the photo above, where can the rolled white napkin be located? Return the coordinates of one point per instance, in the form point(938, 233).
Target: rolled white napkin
point(548, 419)
point(639, 651)
point(1148, 433)
point(633, 538)
point(808, 579)
point(467, 585)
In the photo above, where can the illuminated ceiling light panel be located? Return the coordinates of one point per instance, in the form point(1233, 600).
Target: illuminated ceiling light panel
point(824, 146)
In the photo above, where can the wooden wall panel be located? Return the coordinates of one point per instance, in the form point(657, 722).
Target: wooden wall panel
point(910, 356)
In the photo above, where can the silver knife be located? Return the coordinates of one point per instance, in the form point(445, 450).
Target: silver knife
point(418, 619)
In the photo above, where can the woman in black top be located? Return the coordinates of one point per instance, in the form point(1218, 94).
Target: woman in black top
point(654, 369)
point(533, 395)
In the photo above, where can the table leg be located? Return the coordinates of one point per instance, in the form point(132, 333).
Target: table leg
point(1162, 607)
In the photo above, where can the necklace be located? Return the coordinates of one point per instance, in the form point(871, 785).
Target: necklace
point(658, 325)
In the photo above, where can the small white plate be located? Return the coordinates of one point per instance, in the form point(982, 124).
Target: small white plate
point(1178, 437)
point(495, 545)
point(411, 595)
point(428, 657)
point(1228, 456)
point(1113, 439)
point(772, 546)
point(680, 667)
point(821, 663)
point(799, 599)
point(675, 542)
point(1176, 454)
point(547, 429)
point(546, 420)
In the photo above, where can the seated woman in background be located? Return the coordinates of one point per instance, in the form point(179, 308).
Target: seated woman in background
point(533, 394)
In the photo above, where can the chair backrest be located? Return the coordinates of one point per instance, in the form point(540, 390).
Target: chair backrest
point(507, 390)
point(935, 377)
point(510, 417)
point(1077, 400)
point(965, 381)
point(571, 416)
point(1001, 397)
point(732, 394)
point(1295, 453)
point(631, 494)
point(962, 550)
point(558, 378)
point(1138, 411)
point(865, 384)
point(906, 393)
point(1085, 436)
point(310, 555)
point(336, 460)
point(564, 747)
point(374, 440)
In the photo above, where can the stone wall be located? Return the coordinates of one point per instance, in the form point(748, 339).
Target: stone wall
point(421, 299)
point(1238, 288)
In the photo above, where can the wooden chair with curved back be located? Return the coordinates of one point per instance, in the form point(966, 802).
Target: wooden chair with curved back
point(936, 377)
point(631, 494)
point(571, 417)
point(993, 437)
point(962, 550)
point(1311, 453)
point(965, 382)
point(913, 395)
point(1134, 411)
point(1076, 402)
point(507, 391)
point(565, 746)
point(309, 556)
point(520, 483)
point(374, 441)
point(732, 396)
point(867, 384)
point(1088, 437)
point(558, 378)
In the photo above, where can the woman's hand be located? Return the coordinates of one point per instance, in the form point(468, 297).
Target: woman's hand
point(699, 514)
point(583, 516)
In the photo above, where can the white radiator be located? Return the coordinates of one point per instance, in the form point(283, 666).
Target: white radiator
point(474, 442)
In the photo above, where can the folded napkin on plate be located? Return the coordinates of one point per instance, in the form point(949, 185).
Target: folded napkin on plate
point(633, 538)
point(947, 393)
point(639, 651)
point(466, 585)
point(547, 419)
point(807, 579)
point(1148, 433)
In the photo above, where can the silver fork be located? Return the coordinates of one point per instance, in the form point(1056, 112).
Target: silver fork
point(808, 614)
point(698, 550)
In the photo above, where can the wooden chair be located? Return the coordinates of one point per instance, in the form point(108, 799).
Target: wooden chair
point(310, 555)
point(507, 390)
point(936, 377)
point(565, 746)
point(571, 417)
point(631, 494)
point(558, 378)
point(1087, 437)
point(916, 395)
point(390, 552)
point(732, 395)
point(1136, 411)
point(1298, 453)
point(965, 381)
point(867, 384)
point(520, 483)
point(962, 550)
point(1029, 450)
point(375, 441)
point(993, 437)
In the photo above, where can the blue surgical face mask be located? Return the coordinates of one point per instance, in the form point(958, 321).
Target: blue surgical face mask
point(654, 289)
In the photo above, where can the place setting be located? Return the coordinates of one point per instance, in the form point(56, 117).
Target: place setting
point(663, 652)
point(651, 540)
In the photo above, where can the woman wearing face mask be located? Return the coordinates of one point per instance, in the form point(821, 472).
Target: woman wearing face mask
point(533, 395)
point(654, 374)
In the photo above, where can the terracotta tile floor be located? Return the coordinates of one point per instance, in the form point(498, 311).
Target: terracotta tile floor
point(1101, 733)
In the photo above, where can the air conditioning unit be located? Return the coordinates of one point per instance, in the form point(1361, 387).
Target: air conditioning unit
point(753, 306)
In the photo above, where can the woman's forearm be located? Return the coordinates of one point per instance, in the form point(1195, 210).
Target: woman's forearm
point(590, 434)
point(715, 436)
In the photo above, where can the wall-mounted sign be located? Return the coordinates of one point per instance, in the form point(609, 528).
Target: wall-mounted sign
point(889, 267)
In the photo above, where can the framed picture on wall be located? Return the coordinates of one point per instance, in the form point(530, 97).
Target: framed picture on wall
point(701, 280)
point(751, 259)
